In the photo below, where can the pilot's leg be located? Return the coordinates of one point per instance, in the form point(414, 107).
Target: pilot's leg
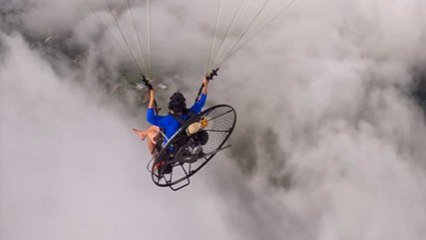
point(151, 132)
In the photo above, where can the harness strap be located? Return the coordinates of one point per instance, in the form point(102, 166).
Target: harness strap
point(182, 121)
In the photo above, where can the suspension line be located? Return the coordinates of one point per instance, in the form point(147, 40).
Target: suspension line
point(232, 52)
point(108, 31)
point(241, 9)
point(148, 2)
point(122, 35)
point(146, 69)
point(212, 46)
point(248, 28)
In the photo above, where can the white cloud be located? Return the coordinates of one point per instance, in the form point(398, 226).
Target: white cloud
point(332, 79)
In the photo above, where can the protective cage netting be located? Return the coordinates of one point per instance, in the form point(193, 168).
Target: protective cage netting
point(221, 123)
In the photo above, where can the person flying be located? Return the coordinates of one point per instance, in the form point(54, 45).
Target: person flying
point(171, 122)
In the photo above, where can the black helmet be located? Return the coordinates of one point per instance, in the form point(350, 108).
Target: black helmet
point(177, 102)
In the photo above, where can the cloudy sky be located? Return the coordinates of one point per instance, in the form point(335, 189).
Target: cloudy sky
point(330, 141)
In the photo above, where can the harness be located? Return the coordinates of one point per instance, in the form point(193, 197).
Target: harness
point(191, 116)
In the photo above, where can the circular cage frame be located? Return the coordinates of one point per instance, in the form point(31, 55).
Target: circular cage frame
point(168, 180)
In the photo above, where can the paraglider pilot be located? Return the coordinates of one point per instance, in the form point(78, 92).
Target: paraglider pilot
point(170, 123)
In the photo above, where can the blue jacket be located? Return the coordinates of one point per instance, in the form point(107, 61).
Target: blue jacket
point(169, 123)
